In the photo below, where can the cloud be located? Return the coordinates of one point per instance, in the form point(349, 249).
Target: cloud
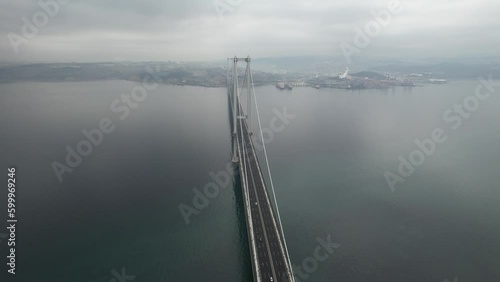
point(96, 30)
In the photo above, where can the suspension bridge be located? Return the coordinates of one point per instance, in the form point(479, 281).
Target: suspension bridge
point(268, 249)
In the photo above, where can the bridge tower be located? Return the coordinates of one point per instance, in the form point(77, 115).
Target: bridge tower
point(235, 108)
point(235, 98)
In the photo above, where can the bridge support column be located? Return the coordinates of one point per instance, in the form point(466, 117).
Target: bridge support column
point(249, 97)
point(235, 107)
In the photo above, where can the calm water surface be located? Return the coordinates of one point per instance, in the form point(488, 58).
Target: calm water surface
point(119, 207)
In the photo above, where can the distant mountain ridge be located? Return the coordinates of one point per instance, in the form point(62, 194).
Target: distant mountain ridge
point(170, 73)
point(448, 70)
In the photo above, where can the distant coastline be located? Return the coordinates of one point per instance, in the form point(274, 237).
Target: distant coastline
point(213, 75)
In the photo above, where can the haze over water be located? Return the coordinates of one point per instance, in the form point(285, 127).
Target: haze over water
point(119, 208)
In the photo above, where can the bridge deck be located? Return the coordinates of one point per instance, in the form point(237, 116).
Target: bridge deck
point(267, 245)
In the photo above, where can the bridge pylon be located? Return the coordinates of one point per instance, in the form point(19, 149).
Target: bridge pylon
point(235, 110)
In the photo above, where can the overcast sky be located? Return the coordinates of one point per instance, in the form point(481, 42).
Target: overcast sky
point(158, 30)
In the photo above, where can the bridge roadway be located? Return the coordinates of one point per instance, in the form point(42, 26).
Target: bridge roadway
point(268, 250)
